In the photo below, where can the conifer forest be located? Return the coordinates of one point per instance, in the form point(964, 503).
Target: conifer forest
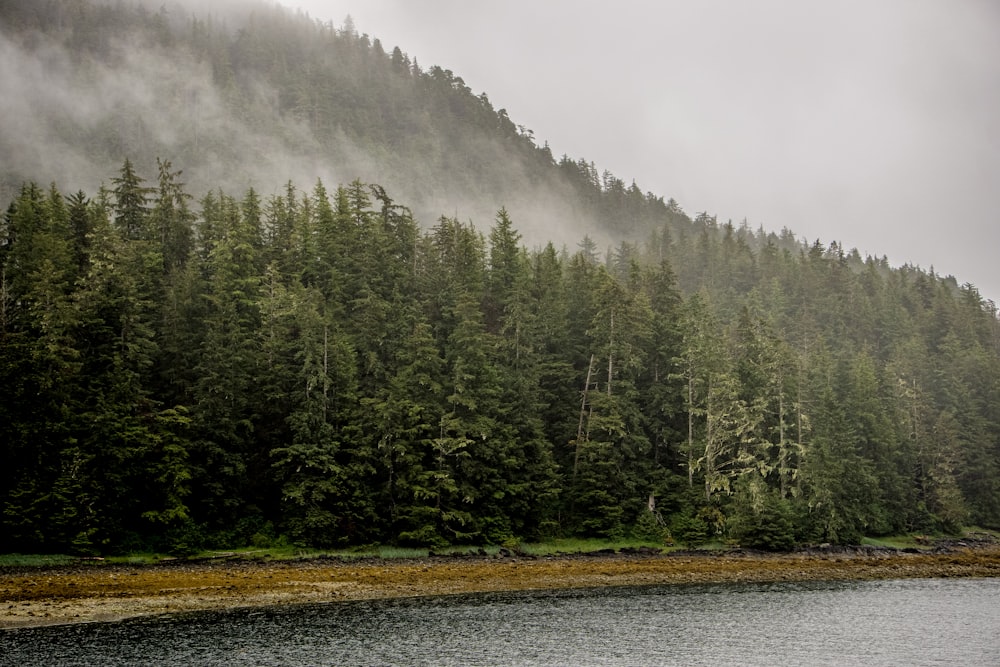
point(197, 351)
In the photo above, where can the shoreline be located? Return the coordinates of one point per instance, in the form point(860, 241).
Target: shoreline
point(32, 597)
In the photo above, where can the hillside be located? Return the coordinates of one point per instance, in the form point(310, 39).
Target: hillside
point(204, 340)
point(259, 93)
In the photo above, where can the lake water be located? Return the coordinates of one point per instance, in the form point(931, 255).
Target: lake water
point(908, 622)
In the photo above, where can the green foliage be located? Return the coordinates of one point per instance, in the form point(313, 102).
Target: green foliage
point(35, 560)
point(314, 363)
point(689, 530)
point(293, 408)
point(762, 520)
point(184, 539)
point(452, 433)
point(650, 527)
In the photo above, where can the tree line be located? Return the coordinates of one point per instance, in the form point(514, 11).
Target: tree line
point(315, 366)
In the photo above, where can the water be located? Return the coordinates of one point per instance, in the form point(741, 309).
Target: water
point(909, 622)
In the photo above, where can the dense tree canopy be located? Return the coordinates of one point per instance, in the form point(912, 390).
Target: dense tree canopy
point(193, 364)
point(314, 365)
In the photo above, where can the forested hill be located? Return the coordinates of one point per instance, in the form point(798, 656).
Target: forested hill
point(238, 354)
point(256, 94)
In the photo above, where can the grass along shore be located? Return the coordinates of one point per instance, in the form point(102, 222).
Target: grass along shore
point(87, 591)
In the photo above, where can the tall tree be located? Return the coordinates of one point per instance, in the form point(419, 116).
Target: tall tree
point(131, 203)
point(44, 503)
point(324, 469)
point(228, 464)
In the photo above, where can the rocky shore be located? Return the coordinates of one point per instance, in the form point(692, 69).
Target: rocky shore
point(91, 592)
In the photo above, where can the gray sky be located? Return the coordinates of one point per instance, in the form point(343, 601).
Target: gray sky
point(875, 123)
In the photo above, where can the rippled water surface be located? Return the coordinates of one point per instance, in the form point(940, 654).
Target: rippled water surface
point(911, 622)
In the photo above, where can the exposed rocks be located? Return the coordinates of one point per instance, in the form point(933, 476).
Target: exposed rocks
point(640, 551)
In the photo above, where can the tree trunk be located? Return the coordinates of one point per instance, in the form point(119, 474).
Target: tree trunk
point(580, 433)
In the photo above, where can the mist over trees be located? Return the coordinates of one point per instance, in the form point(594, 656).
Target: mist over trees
point(208, 346)
point(244, 94)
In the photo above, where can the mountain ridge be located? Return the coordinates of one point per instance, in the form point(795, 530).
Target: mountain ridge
point(171, 93)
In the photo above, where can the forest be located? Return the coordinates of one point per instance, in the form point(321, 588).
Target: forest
point(187, 363)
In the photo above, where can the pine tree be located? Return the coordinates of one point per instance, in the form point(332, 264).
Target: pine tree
point(229, 467)
point(131, 204)
point(43, 498)
point(405, 416)
point(324, 472)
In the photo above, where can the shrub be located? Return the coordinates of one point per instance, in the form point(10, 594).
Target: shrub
point(649, 527)
point(768, 528)
point(689, 530)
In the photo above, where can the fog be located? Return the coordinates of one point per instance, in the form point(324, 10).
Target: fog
point(875, 124)
point(72, 123)
point(58, 115)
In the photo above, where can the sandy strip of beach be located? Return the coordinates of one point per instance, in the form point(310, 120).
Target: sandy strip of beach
point(99, 592)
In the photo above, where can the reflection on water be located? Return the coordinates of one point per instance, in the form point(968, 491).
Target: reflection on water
point(910, 622)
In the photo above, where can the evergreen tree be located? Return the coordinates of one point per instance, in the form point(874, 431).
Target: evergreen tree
point(405, 416)
point(325, 472)
point(131, 203)
point(228, 465)
point(317, 366)
point(44, 499)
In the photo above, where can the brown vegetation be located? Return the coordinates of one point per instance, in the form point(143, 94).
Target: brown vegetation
point(110, 592)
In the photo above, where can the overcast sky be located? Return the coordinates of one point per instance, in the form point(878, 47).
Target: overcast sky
point(875, 123)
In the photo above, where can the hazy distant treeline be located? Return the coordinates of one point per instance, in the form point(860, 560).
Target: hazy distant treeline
point(254, 94)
